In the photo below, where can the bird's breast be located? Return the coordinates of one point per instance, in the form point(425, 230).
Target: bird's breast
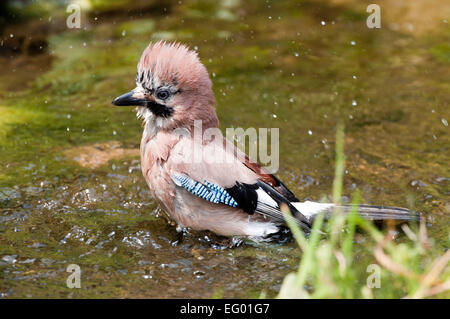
point(155, 152)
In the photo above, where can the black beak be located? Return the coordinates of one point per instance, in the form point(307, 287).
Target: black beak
point(127, 99)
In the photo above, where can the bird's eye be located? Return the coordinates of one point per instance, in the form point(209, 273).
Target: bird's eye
point(162, 94)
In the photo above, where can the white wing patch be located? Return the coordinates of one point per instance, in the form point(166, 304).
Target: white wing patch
point(265, 198)
point(309, 208)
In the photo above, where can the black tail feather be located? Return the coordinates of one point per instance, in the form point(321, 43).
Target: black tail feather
point(372, 212)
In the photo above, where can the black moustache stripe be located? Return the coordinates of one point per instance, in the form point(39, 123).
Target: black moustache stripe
point(159, 109)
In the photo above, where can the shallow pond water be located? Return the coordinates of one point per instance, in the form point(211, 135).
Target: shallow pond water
point(301, 67)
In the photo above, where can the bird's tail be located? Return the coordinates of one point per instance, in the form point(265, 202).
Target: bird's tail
point(311, 209)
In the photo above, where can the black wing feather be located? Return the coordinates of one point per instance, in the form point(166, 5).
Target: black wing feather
point(247, 198)
point(245, 195)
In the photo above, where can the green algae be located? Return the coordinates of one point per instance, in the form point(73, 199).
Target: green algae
point(441, 52)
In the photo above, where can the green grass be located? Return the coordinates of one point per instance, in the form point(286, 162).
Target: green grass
point(329, 269)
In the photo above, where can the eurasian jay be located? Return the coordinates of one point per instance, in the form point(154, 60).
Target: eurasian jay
point(221, 190)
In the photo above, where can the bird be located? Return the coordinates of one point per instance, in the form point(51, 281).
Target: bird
point(233, 197)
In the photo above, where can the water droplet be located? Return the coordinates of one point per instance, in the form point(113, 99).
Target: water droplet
point(10, 259)
point(418, 183)
point(199, 273)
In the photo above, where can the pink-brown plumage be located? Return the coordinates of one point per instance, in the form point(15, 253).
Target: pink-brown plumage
point(176, 102)
point(175, 63)
point(163, 152)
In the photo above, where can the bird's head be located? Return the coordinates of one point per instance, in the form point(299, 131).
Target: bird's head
point(173, 88)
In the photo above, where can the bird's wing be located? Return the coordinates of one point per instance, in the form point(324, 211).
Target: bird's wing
point(223, 175)
point(265, 176)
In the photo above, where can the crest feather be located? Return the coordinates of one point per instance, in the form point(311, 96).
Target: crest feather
point(172, 63)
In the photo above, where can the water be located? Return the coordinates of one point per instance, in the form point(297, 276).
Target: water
point(71, 189)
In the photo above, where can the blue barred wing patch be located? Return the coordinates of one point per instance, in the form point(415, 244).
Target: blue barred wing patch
point(208, 191)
